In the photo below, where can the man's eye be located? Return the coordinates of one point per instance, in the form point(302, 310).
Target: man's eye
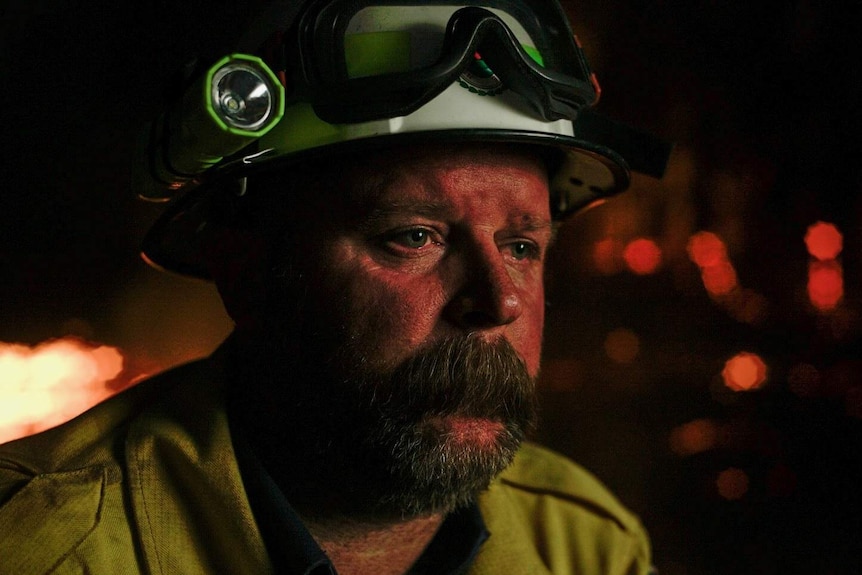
point(523, 250)
point(416, 238)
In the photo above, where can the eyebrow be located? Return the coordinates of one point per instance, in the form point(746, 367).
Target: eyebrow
point(531, 223)
point(373, 217)
point(378, 216)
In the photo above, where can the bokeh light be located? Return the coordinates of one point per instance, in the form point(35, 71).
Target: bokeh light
point(607, 256)
point(732, 484)
point(706, 249)
point(747, 306)
point(709, 253)
point(622, 345)
point(642, 256)
point(694, 437)
point(825, 284)
point(744, 372)
point(824, 241)
point(719, 279)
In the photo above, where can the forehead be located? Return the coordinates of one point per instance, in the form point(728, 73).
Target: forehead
point(505, 181)
point(511, 179)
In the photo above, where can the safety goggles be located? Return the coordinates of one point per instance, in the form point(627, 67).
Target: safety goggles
point(358, 61)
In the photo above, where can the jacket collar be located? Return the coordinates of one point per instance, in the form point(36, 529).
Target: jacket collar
point(72, 500)
point(510, 545)
point(186, 490)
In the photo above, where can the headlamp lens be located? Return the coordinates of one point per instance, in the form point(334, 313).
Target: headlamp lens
point(242, 97)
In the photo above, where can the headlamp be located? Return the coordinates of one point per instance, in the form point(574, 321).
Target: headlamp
point(237, 100)
point(242, 97)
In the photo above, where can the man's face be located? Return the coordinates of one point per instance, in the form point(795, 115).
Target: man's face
point(412, 314)
point(435, 244)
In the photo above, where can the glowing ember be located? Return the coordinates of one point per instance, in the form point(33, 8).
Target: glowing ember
point(824, 241)
point(744, 371)
point(642, 256)
point(825, 284)
point(46, 385)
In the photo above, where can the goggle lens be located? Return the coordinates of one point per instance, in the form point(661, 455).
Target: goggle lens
point(412, 36)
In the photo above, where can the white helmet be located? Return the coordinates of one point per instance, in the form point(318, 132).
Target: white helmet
point(333, 76)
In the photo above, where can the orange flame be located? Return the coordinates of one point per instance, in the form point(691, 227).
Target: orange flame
point(50, 383)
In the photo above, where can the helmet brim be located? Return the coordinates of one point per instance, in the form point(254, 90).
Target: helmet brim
point(177, 240)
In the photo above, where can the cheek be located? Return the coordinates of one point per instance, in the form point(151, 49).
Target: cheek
point(389, 316)
point(527, 332)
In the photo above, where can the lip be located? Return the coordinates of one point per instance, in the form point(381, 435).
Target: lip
point(464, 429)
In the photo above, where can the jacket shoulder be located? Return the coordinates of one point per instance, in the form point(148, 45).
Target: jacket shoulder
point(550, 515)
point(89, 439)
point(539, 471)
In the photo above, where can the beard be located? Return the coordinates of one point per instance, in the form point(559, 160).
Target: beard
point(426, 437)
point(344, 439)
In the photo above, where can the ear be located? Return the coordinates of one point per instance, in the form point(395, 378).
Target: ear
point(237, 260)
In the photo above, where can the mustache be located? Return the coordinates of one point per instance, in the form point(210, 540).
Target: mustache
point(466, 375)
point(463, 375)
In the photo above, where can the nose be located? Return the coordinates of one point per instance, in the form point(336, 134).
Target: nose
point(487, 296)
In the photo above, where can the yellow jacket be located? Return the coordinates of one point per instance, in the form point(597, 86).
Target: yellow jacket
point(147, 483)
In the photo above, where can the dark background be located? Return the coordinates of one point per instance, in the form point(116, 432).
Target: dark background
point(762, 100)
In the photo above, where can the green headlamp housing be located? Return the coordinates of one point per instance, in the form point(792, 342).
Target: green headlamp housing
point(235, 102)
